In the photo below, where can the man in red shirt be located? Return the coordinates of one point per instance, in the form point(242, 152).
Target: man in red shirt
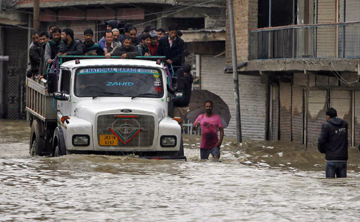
point(154, 43)
point(210, 124)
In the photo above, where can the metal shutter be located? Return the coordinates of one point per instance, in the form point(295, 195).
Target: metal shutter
point(352, 34)
point(326, 36)
point(317, 106)
point(297, 115)
point(357, 118)
point(274, 118)
point(285, 111)
point(252, 97)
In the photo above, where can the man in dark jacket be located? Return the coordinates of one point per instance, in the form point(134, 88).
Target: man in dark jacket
point(69, 45)
point(184, 84)
point(172, 46)
point(143, 47)
point(52, 47)
point(333, 141)
point(35, 54)
point(44, 38)
point(127, 50)
point(89, 46)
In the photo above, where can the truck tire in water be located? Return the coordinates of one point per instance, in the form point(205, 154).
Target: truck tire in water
point(37, 141)
point(59, 148)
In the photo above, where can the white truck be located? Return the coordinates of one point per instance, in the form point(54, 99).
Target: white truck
point(104, 106)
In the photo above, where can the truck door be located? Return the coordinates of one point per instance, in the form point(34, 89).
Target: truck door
point(64, 87)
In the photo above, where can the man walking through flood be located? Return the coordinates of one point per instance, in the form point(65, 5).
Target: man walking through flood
point(210, 124)
point(333, 141)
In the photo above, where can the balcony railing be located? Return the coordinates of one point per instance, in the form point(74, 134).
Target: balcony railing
point(335, 40)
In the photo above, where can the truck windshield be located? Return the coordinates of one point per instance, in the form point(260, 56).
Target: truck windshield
point(119, 82)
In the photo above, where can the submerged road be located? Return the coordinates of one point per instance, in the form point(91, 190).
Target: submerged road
point(113, 188)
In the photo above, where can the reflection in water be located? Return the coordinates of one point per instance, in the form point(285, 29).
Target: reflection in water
point(112, 188)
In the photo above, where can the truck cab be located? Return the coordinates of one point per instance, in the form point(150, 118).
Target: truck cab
point(106, 106)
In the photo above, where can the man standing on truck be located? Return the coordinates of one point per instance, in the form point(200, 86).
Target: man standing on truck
point(44, 38)
point(210, 124)
point(52, 47)
point(172, 46)
point(69, 45)
point(127, 50)
point(89, 46)
point(35, 54)
point(143, 47)
point(110, 44)
point(333, 141)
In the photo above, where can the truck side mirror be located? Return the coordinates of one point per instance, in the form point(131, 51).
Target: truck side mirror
point(61, 96)
point(178, 95)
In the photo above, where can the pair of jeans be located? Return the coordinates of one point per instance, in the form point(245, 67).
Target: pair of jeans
point(336, 168)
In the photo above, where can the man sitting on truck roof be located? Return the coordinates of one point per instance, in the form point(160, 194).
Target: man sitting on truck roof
point(69, 45)
point(127, 50)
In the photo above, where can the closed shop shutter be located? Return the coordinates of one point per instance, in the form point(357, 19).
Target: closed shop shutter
point(285, 111)
point(357, 118)
point(317, 106)
point(274, 121)
point(252, 97)
point(14, 71)
point(297, 115)
point(341, 101)
point(326, 36)
point(352, 36)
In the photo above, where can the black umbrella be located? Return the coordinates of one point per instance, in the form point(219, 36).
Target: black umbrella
point(197, 107)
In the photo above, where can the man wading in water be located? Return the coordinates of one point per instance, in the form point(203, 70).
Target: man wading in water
point(333, 141)
point(210, 123)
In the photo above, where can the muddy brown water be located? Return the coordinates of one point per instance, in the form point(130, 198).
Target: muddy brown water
point(258, 181)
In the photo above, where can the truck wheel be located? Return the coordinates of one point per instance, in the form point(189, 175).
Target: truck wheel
point(58, 143)
point(37, 141)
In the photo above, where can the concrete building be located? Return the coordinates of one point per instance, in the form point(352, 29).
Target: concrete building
point(202, 22)
point(303, 56)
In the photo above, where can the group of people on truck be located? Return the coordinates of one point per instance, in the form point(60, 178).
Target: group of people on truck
point(124, 43)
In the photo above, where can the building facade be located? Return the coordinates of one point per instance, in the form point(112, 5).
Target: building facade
point(306, 55)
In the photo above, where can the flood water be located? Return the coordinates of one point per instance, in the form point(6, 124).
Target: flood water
point(113, 188)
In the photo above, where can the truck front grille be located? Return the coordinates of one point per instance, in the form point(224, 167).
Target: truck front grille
point(129, 130)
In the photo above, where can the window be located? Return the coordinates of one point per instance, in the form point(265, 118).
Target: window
point(65, 81)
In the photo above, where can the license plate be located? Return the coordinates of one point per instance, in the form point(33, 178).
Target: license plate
point(108, 140)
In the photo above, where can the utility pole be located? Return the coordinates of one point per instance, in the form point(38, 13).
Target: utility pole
point(36, 19)
point(235, 72)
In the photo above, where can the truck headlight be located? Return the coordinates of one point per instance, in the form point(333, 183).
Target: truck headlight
point(168, 141)
point(81, 140)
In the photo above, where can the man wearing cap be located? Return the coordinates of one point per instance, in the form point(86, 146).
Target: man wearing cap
point(154, 43)
point(333, 142)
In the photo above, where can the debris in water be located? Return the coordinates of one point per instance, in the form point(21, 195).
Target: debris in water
point(264, 164)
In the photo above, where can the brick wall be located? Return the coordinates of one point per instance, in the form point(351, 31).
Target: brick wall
point(245, 18)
